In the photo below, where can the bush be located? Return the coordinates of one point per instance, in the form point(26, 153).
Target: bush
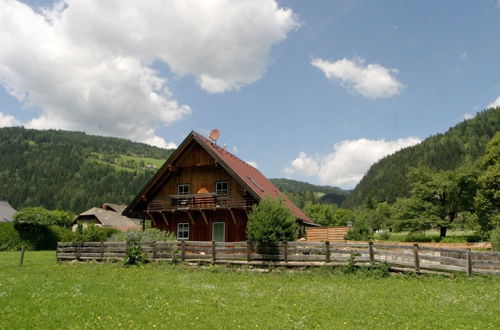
point(270, 222)
point(360, 232)
point(495, 238)
point(94, 234)
point(42, 217)
point(9, 238)
point(135, 256)
point(420, 238)
point(148, 235)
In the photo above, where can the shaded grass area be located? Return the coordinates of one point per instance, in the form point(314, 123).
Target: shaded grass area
point(453, 236)
point(44, 294)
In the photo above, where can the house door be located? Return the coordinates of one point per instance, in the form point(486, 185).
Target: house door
point(218, 231)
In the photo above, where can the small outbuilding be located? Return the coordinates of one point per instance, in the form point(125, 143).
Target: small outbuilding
point(105, 217)
point(6, 212)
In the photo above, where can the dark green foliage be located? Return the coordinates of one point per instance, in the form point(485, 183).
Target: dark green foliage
point(465, 143)
point(135, 256)
point(328, 214)
point(302, 192)
point(60, 169)
point(9, 237)
point(271, 221)
point(359, 232)
point(487, 200)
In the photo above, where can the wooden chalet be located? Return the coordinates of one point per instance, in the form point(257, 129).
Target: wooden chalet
point(204, 193)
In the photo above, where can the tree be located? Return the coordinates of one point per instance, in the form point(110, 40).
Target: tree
point(271, 221)
point(487, 199)
point(443, 195)
point(322, 214)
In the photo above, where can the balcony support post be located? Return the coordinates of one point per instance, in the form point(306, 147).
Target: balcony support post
point(232, 215)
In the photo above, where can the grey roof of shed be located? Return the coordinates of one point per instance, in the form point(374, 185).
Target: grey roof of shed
point(114, 207)
point(107, 218)
point(6, 212)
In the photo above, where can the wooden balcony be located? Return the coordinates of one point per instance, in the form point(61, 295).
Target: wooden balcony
point(201, 202)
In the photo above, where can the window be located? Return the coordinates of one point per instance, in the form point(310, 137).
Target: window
point(183, 189)
point(183, 231)
point(221, 187)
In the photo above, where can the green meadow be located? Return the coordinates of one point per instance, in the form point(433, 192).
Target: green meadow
point(47, 295)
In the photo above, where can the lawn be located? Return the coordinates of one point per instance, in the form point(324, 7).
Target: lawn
point(44, 294)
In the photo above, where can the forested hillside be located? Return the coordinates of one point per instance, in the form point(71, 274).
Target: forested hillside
point(302, 192)
point(71, 170)
point(464, 143)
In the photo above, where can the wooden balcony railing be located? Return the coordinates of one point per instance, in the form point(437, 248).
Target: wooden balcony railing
point(200, 201)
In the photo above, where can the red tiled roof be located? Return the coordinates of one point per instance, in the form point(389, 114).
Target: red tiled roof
point(250, 176)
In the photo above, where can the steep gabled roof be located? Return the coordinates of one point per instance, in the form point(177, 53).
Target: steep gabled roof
point(6, 212)
point(248, 176)
point(251, 178)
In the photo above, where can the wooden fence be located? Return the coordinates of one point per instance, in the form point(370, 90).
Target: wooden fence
point(400, 257)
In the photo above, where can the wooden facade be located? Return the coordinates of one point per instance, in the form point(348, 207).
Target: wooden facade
point(202, 193)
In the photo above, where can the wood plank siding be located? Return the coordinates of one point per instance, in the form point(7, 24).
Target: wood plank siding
point(202, 184)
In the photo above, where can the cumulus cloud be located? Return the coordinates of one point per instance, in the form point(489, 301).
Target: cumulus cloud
point(494, 104)
point(303, 164)
point(87, 64)
point(7, 120)
point(370, 80)
point(348, 162)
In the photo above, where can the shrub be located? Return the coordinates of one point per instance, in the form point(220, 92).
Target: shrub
point(94, 234)
point(42, 217)
point(495, 238)
point(37, 237)
point(360, 232)
point(420, 237)
point(271, 221)
point(148, 235)
point(9, 237)
point(135, 256)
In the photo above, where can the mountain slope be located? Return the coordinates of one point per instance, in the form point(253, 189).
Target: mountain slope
point(464, 143)
point(71, 170)
point(301, 192)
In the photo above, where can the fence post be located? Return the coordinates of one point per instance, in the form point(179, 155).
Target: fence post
point(285, 251)
point(371, 253)
point(102, 251)
point(21, 258)
point(469, 262)
point(154, 250)
point(417, 258)
point(214, 251)
point(183, 250)
point(79, 253)
point(249, 251)
point(327, 246)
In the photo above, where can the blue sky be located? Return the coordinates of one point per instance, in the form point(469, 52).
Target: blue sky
point(399, 71)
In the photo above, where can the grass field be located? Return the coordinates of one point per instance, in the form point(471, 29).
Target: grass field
point(44, 294)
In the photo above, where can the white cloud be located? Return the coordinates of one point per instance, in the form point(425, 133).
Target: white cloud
point(86, 64)
point(467, 116)
point(370, 80)
point(303, 164)
point(252, 163)
point(348, 162)
point(495, 103)
point(7, 120)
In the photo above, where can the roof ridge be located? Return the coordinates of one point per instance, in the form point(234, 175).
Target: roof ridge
point(228, 152)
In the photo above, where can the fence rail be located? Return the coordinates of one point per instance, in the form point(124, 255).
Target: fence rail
point(410, 257)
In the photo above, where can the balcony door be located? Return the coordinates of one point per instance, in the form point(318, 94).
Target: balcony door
point(218, 230)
